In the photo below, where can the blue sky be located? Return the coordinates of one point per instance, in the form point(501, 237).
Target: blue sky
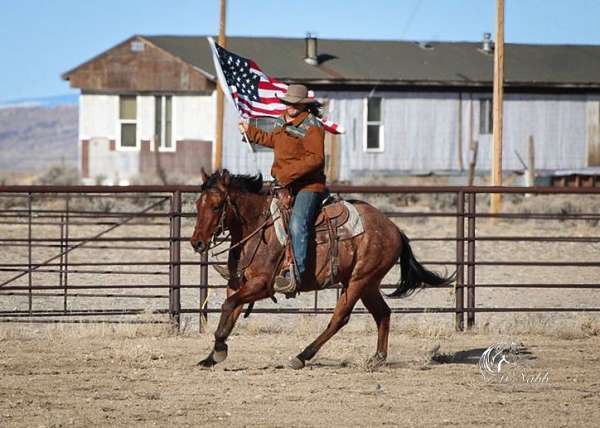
point(40, 39)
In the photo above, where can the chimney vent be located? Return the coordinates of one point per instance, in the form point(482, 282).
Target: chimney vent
point(311, 50)
point(488, 44)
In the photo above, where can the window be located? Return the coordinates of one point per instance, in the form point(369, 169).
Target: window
point(127, 121)
point(485, 116)
point(374, 125)
point(163, 122)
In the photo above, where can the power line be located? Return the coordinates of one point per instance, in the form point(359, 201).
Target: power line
point(411, 17)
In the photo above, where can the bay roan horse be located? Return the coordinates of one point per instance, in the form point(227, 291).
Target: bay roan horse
point(238, 204)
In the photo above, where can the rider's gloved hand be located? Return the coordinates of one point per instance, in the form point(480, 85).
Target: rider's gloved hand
point(243, 125)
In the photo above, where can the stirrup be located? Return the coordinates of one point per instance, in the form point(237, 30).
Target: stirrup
point(285, 283)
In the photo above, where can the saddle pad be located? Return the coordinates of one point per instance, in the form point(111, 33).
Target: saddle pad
point(279, 228)
point(353, 227)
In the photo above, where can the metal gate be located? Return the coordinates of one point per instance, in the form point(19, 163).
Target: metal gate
point(61, 246)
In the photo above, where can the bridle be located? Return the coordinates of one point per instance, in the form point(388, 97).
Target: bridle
point(221, 227)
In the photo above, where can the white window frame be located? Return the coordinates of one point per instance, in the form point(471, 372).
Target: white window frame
point(482, 102)
point(163, 112)
point(135, 122)
point(366, 123)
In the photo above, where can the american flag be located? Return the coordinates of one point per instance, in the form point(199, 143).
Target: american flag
point(252, 92)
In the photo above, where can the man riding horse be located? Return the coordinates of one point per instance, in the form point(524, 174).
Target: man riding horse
point(299, 162)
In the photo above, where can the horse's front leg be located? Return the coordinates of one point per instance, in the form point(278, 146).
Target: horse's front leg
point(252, 290)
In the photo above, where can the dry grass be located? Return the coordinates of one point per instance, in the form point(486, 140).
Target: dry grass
point(576, 327)
point(310, 326)
point(146, 326)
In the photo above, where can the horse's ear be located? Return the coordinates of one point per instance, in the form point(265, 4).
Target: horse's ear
point(226, 177)
point(204, 175)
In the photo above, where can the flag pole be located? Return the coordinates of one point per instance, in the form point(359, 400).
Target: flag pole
point(246, 138)
point(223, 84)
point(218, 159)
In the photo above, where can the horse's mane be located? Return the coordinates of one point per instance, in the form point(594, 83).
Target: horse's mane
point(243, 183)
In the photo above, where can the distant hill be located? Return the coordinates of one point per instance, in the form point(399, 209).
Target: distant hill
point(57, 100)
point(33, 137)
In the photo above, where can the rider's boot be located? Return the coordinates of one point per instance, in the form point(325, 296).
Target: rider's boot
point(286, 282)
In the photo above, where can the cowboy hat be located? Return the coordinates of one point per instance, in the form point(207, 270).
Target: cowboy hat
point(297, 94)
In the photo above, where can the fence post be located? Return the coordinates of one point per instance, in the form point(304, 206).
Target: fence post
point(175, 259)
point(203, 297)
point(65, 259)
point(471, 261)
point(29, 234)
point(459, 289)
point(62, 262)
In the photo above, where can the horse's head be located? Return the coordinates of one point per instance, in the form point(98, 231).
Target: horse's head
point(211, 208)
point(215, 207)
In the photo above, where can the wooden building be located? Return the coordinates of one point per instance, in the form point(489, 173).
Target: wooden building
point(147, 105)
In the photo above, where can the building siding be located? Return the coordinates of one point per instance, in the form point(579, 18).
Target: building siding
point(423, 132)
point(111, 167)
point(151, 69)
point(194, 117)
point(98, 116)
point(193, 122)
point(237, 155)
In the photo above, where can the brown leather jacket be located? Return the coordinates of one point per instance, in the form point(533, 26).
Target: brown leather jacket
point(299, 152)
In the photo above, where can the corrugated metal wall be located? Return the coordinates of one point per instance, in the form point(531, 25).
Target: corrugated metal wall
point(237, 156)
point(557, 124)
point(421, 133)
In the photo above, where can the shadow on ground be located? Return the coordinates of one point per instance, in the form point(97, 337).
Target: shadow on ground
point(472, 356)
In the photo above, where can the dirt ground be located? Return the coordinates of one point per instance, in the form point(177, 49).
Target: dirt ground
point(144, 376)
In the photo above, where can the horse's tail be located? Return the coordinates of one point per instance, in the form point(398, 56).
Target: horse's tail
point(413, 276)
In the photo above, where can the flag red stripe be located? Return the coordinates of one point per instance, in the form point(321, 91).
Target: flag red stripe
point(270, 85)
point(254, 107)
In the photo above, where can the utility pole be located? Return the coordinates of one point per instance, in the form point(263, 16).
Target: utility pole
point(218, 157)
point(496, 200)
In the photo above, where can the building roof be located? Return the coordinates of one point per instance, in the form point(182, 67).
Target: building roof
point(400, 62)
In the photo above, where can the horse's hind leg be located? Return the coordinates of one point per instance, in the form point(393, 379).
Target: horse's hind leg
point(381, 312)
point(341, 316)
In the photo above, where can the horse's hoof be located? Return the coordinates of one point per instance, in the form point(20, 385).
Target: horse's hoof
point(296, 363)
point(376, 361)
point(219, 352)
point(219, 356)
point(208, 362)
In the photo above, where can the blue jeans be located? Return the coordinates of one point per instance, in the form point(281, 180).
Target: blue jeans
point(304, 213)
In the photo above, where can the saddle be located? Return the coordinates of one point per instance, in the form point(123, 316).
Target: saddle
point(334, 214)
point(331, 226)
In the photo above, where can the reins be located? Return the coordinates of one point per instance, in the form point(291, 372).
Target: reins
point(264, 225)
point(267, 223)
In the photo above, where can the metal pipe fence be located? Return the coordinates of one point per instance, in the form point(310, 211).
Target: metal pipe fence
point(36, 267)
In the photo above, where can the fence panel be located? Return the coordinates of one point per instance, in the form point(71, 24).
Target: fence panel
point(78, 265)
